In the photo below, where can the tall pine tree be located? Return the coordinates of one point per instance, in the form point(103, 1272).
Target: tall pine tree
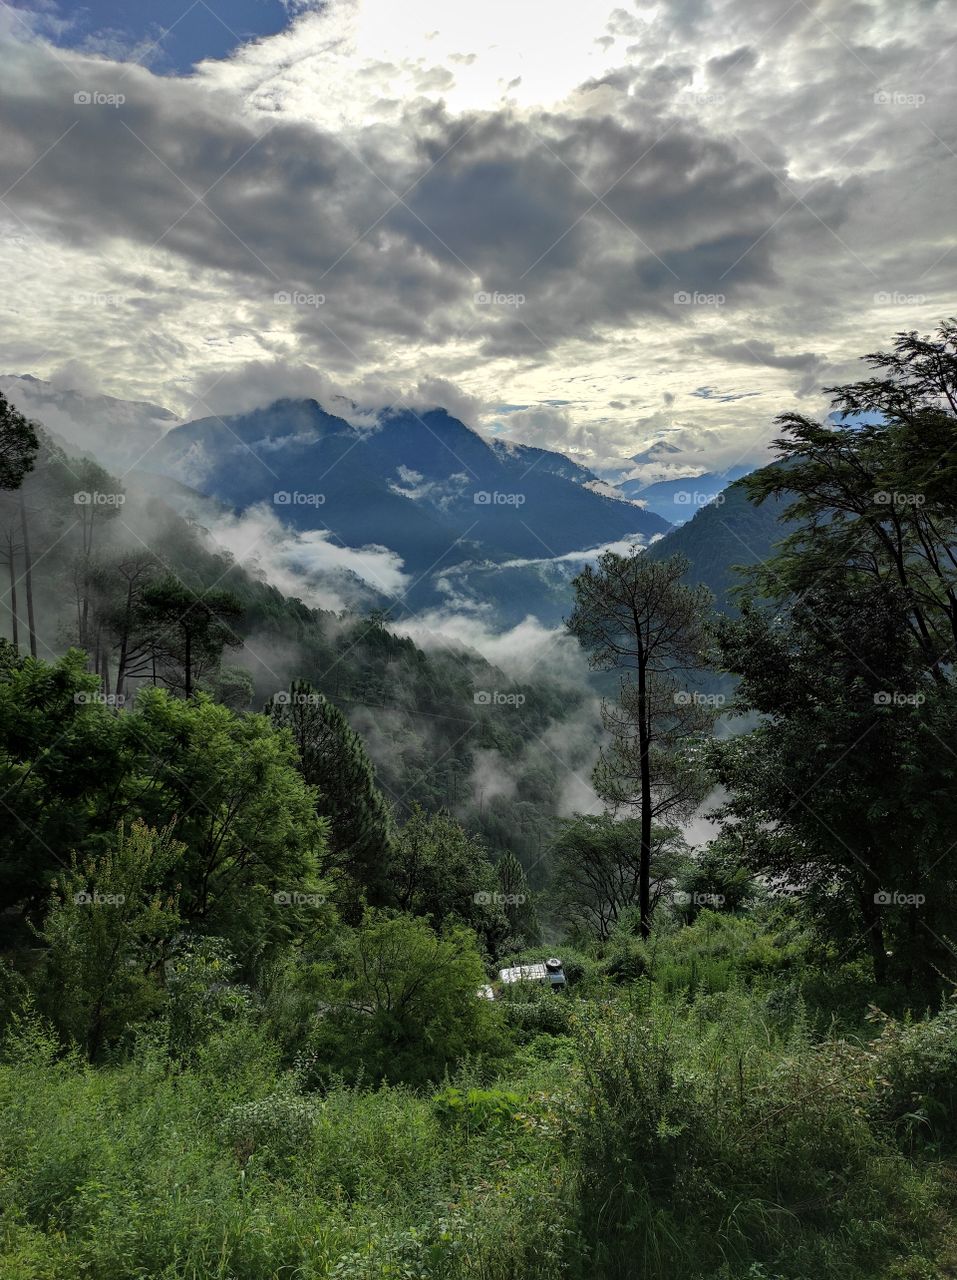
point(518, 904)
point(334, 761)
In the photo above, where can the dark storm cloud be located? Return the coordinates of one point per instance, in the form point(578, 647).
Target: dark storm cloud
point(721, 150)
point(591, 219)
point(762, 353)
point(734, 65)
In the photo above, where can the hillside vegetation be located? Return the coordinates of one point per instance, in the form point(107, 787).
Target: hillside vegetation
point(245, 1025)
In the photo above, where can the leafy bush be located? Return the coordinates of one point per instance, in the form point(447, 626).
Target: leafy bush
point(267, 1129)
point(476, 1108)
point(203, 996)
point(531, 1010)
point(108, 923)
point(916, 1066)
point(702, 1141)
point(406, 1008)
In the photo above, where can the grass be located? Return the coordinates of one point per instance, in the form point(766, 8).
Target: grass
point(663, 1127)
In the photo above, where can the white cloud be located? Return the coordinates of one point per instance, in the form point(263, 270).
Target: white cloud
point(520, 652)
point(307, 564)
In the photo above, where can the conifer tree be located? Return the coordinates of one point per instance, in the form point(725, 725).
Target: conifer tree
point(333, 759)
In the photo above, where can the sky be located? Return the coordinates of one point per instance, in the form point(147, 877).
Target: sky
point(587, 227)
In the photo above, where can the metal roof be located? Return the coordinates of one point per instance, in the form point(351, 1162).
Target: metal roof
point(533, 973)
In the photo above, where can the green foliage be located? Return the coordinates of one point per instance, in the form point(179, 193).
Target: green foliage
point(333, 760)
point(406, 1006)
point(202, 994)
point(254, 845)
point(531, 1010)
point(109, 923)
point(599, 865)
point(18, 445)
point(477, 1108)
point(701, 1144)
point(241, 811)
point(856, 724)
point(682, 1137)
point(188, 630)
point(517, 901)
point(852, 672)
point(916, 1068)
point(636, 616)
point(438, 870)
point(717, 879)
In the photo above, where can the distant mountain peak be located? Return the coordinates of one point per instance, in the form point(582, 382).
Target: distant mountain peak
point(655, 452)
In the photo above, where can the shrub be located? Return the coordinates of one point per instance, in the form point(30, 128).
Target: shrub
point(406, 1007)
point(700, 1141)
point(203, 996)
point(916, 1066)
point(476, 1108)
point(108, 922)
point(531, 1010)
point(271, 1128)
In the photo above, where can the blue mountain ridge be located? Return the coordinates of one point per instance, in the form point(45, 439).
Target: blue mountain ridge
point(424, 485)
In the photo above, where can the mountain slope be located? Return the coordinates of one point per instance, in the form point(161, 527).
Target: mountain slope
point(678, 499)
point(723, 534)
point(118, 432)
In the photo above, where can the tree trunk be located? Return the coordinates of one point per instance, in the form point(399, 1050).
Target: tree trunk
point(187, 662)
point(125, 640)
point(644, 862)
point(28, 575)
point(15, 632)
point(875, 936)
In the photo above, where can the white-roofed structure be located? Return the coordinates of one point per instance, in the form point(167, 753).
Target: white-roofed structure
point(548, 973)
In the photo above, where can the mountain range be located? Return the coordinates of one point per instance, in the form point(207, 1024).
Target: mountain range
point(478, 525)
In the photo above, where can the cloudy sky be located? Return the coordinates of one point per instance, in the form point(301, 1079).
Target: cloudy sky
point(585, 226)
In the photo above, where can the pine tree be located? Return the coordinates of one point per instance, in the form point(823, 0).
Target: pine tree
point(518, 904)
point(333, 759)
point(18, 445)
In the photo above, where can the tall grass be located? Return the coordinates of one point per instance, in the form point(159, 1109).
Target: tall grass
point(648, 1129)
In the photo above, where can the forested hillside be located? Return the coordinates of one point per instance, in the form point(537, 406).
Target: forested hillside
point(456, 997)
point(113, 567)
